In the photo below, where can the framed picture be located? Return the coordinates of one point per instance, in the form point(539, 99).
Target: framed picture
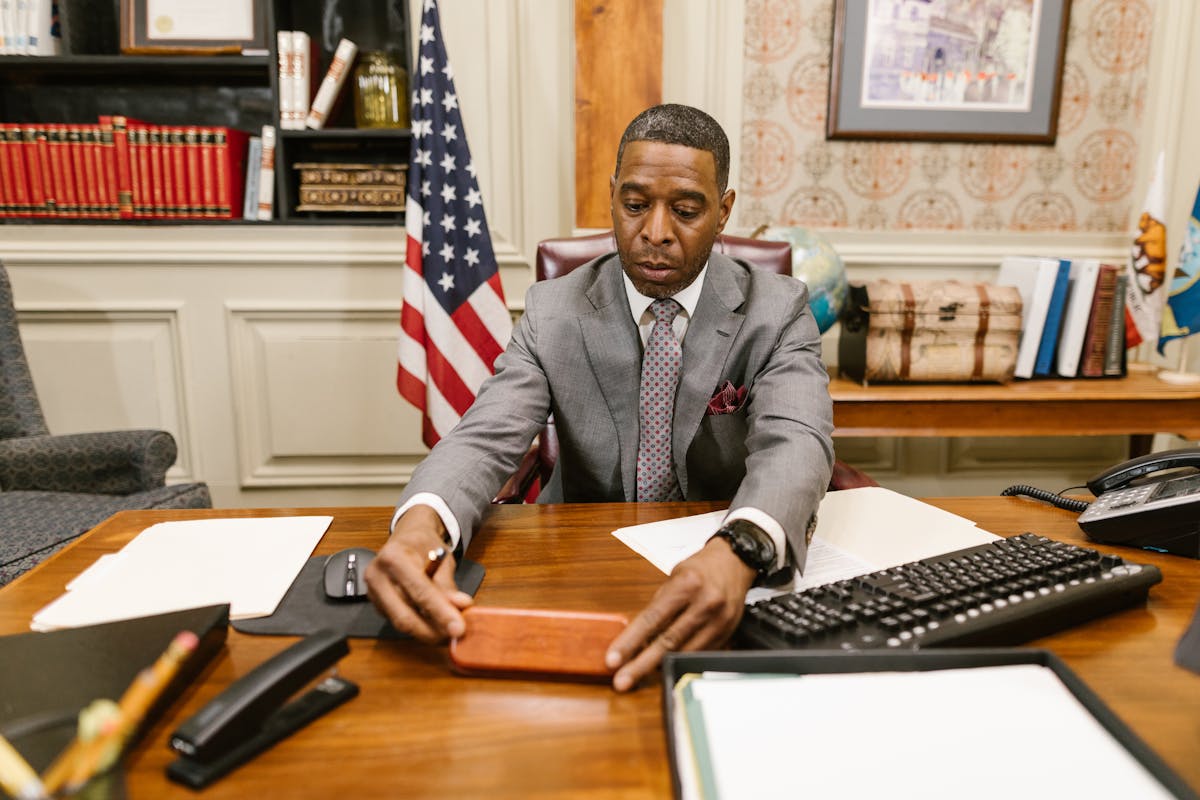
point(186, 27)
point(986, 71)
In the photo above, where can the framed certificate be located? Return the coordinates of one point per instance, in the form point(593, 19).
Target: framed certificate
point(190, 27)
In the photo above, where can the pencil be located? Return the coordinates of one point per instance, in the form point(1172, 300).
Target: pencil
point(16, 776)
point(96, 755)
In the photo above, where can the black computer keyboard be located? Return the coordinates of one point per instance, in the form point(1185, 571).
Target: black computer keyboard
point(1002, 593)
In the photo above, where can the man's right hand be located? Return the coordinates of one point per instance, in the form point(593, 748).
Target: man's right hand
point(426, 608)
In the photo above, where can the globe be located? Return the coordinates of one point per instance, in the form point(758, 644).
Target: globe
point(815, 262)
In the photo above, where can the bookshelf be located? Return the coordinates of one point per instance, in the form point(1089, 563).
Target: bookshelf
point(237, 91)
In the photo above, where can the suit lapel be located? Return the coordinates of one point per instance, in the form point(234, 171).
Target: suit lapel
point(613, 347)
point(709, 338)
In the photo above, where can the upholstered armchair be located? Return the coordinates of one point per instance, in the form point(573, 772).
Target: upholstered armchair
point(557, 257)
point(54, 488)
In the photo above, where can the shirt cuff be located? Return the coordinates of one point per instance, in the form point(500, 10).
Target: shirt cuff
point(772, 528)
point(440, 508)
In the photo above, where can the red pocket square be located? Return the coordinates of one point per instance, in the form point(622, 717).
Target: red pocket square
point(727, 399)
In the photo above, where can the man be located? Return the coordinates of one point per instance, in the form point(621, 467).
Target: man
point(750, 420)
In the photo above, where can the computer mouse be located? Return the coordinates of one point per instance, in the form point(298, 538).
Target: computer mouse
point(346, 573)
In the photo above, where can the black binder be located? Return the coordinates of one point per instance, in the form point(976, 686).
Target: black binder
point(47, 678)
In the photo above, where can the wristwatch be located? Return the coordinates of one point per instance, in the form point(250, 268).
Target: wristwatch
point(750, 543)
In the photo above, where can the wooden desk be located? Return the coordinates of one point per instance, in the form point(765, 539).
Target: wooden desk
point(419, 731)
point(1139, 404)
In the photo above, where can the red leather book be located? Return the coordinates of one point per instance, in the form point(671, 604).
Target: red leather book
point(208, 171)
point(39, 150)
point(10, 205)
point(106, 168)
point(139, 152)
point(25, 154)
point(1091, 362)
point(60, 170)
point(176, 165)
point(191, 158)
point(85, 172)
point(157, 197)
point(121, 164)
point(171, 204)
point(230, 154)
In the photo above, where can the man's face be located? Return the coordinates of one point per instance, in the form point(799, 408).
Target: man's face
point(666, 212)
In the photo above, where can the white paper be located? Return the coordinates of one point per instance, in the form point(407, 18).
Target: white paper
point(249, 563)
point(992, 732)
point(858, 531)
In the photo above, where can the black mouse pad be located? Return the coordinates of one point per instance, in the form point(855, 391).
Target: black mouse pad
point(306, 609)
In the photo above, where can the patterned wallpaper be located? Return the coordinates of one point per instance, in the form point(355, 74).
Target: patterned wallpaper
point(792, 175)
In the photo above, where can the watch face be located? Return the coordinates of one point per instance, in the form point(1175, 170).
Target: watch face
point(755, 550)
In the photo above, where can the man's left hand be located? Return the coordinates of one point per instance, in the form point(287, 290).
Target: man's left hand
point(698, 607)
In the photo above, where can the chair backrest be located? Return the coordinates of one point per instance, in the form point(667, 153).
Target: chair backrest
point(557, 257)
point(20, 411)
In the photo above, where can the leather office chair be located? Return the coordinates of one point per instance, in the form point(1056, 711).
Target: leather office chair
point(55, 488)
point(557, 257)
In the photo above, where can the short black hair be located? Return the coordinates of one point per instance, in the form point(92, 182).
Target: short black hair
point(672, 123)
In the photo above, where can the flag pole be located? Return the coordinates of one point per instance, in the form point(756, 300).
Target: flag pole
point(1180, 376)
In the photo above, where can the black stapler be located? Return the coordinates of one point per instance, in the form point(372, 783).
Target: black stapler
point(250, 715)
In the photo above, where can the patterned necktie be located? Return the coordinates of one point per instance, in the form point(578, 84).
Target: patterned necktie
point(656, 406)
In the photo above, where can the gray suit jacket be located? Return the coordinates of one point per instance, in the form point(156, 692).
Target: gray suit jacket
point(576, 353)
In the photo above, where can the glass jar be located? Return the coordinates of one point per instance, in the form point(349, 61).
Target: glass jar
point(380, 91)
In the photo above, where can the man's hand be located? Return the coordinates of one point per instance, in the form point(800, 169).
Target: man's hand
point(425, 608)
point(698, 607)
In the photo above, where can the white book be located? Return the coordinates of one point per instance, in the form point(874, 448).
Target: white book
point(1075, 318)
point(331, 85)
point(8, 24)
point(289, 118)
point(266, 175)
point(1034, 279)
point(301, 76)
point(41, 21)
point(21, 22)
point(253, 173)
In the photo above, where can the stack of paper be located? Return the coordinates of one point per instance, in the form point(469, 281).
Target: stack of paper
point(947, 733)
point(248, 563)
point(858, 531)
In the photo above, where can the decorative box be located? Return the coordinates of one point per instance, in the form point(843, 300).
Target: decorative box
point(351, 187)
point(930, 331)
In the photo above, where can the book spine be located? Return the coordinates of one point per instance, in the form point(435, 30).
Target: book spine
point(178, 168)
point(139, 151)
point(154, 147)
point(91, 177)
point(208, 171)
point(253, 171)
point(1092, 360)
point(41, 147)
point(289, 115)
point(10, 204)
point(230, 154)
point(107, 161)
point(331, 85)
point(195, 174)
point(73, 167)
point(120, 160)
point(302, 76)
point(60, 162)
point(170, 191)
point(266, 178)
point(23, 140)
point(1114, 347)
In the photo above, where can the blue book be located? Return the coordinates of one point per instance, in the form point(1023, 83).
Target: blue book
point(1054, 315)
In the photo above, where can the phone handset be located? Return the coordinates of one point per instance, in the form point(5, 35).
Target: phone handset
point(1135, 468)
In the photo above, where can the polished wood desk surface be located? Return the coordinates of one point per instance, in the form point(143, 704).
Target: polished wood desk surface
point(417, 730)
point(1137, 404)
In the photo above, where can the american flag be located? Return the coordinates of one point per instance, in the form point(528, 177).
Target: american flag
point(454, 322)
